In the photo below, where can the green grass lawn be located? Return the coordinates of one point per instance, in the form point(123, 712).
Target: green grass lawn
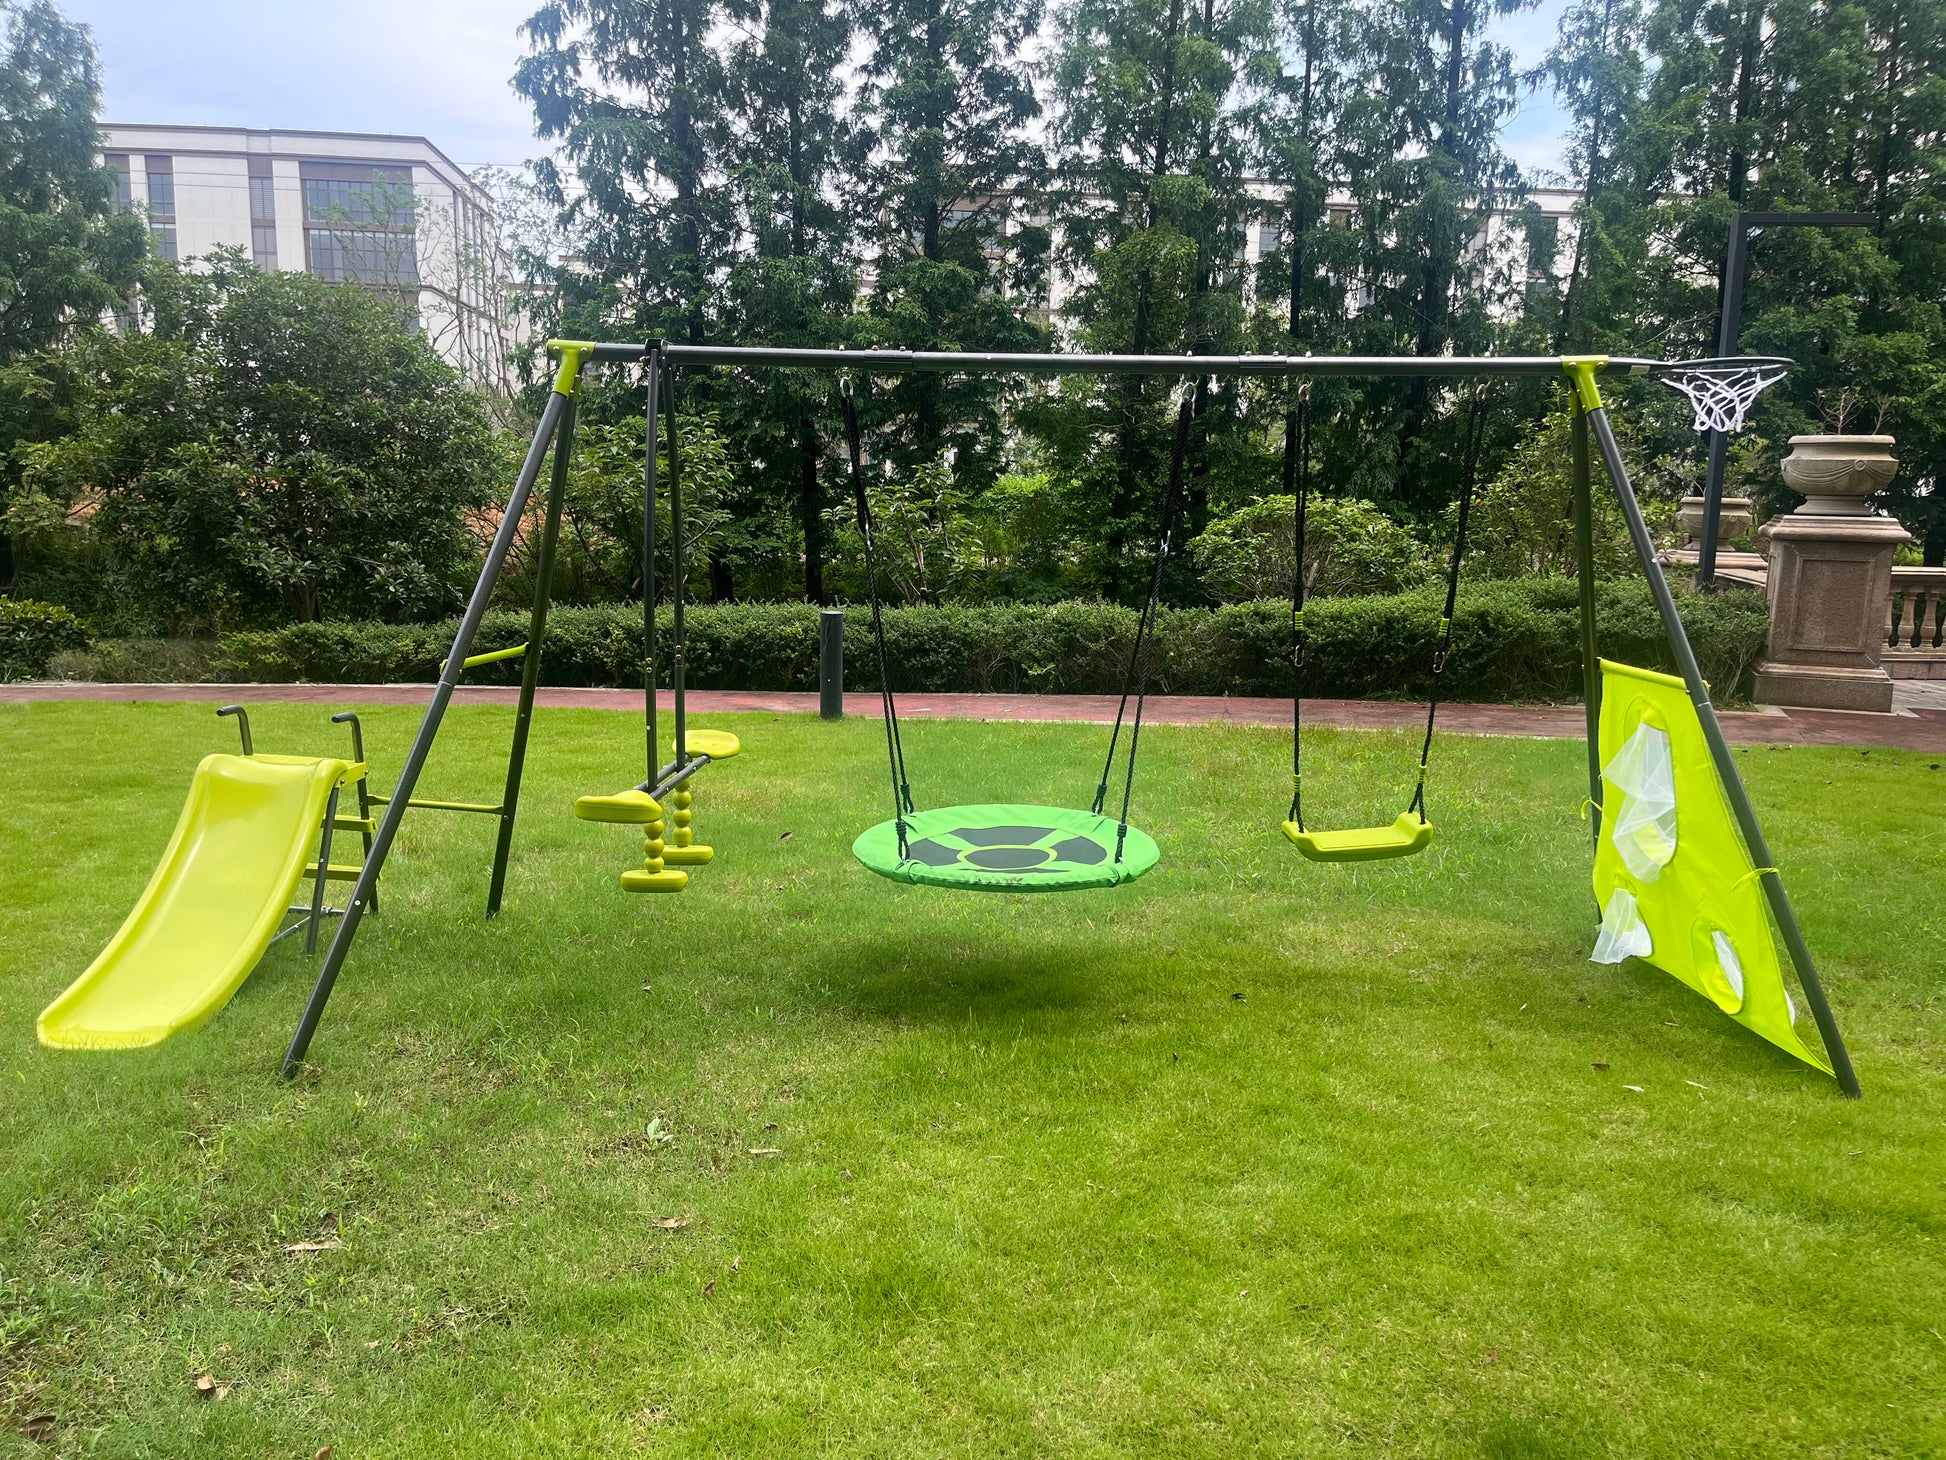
point(1252, 1157)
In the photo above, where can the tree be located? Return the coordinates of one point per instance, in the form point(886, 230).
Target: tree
point(788, 150)
point(270, 447)
point(1600, 73)
point(66, 258)
point(1151, 208)
point(1419, 149)
point(949, 98)
point(628, 90)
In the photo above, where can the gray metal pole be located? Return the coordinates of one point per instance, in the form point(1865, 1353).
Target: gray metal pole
point(415, 760)
point(977, 363)
point(831, 664)
point(648, 566)
point(530, 673)
point(1728, 328)
point(1584, 559)
point(1726, 768)
point(1729, 332)
point(678, 581)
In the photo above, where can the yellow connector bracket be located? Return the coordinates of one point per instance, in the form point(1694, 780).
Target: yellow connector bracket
point(1582, 370)
point(570, 354)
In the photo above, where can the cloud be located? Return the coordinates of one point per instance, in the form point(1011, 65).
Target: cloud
point(437, 68)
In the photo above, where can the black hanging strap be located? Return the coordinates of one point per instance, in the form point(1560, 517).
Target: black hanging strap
point(894, 746)
point(1469, 464)
point(1137, 675)
point(1297, 484)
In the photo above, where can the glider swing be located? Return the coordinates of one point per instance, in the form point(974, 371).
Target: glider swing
point(1001, 847)
point(665, 860)
point(1410, 832)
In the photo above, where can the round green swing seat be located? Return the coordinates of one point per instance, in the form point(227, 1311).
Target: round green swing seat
point(1007, 849)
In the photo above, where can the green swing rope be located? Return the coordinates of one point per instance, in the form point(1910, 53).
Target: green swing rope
point(1143, 652)
point(1297, 481)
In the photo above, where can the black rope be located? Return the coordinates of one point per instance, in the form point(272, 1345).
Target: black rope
point(1469, 464)
point(648, 560)
point(894, 746)
point(1297, 482)
point(1140, 659)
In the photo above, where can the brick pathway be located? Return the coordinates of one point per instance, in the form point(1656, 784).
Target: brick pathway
point(1919, 728)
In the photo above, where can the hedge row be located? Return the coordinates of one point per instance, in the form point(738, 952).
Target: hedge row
point(1512, 641)
point(32, 633)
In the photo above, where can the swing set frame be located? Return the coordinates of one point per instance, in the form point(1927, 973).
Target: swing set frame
point(1591, 436)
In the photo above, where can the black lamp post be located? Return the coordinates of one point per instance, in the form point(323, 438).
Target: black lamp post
point(1735, 265)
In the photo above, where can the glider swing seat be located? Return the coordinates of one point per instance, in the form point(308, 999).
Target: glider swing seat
point(1012, 848)
point(1410, 832)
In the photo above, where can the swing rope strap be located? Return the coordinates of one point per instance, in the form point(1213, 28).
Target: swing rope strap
point(1141, 657)
point(1297, 485)
point(1469, 465)
point(894, 746)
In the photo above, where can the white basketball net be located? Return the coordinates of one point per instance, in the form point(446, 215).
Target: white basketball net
point(1721, 392)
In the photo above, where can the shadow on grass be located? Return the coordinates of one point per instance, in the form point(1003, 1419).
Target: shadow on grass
point(916, 979)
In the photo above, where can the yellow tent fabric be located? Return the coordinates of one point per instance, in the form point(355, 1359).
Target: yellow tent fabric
point(1703, 908)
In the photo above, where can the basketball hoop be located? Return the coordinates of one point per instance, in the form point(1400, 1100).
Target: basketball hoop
point(1721, 392)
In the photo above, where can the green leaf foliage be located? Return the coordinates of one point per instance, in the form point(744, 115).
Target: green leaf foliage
point(32, 633)
point(1514, 641)
point(274, 447)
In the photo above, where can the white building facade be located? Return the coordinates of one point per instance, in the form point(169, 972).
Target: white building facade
point(390, 213)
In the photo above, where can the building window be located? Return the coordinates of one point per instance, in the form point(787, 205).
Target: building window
point(263, 215)
point(118, 164)
point(360, 224)
point(164, 237)
point(1270, 238)
point(162, 188)
point(384, 201)
point(362, 256)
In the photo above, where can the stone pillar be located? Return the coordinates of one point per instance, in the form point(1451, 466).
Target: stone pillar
point(1831, 578)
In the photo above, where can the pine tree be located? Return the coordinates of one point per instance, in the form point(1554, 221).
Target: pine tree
point(1151, 208)
point(1421, 157)
point(629, 90)
point(950, 99)
point(1599, 70)
point(787, 149)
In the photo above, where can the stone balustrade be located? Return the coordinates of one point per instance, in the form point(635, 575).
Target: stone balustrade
point(1915, 624)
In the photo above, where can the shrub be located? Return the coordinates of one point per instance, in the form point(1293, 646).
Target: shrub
point(1512, 641)
point(1349, 547)
point(32, 633)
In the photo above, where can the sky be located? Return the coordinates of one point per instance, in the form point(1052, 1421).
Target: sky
point(438, 69)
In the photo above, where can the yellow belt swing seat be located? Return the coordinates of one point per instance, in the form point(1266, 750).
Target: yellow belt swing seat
point(1410, 832)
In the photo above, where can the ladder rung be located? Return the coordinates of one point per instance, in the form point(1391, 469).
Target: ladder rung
point(336, 872)
point(354, 823)
point(419, 805)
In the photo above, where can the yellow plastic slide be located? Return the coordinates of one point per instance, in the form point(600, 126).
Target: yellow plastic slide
point(246, 835)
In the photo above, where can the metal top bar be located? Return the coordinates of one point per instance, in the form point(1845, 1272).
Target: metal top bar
point(1187, 366)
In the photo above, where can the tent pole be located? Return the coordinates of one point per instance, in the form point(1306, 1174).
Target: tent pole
point(388, 828)
point(1726, 769)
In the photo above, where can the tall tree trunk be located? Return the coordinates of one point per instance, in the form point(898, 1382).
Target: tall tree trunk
point(810, 506)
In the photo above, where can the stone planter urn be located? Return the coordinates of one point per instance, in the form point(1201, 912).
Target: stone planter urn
point(1734, 519)
point(1831, 578)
